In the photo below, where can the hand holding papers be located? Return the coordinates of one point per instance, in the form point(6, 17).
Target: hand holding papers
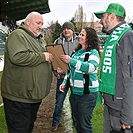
point(57, 50)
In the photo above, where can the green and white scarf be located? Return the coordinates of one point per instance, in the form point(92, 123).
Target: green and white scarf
point(108, 64)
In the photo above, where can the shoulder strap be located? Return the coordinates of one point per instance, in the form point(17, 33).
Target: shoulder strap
point(86, 77)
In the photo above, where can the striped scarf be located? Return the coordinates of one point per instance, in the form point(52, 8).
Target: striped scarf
point(108, 64)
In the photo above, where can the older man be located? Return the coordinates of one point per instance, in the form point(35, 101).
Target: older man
point(27, 75)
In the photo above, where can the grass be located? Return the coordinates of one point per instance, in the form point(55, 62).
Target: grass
point(97, 119)
point(0, 90)
point(3, 127)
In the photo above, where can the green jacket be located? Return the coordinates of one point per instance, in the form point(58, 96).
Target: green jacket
point(78, 67)
point(27, 76)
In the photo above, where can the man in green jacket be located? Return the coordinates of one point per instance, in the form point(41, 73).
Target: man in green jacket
point(27, 74)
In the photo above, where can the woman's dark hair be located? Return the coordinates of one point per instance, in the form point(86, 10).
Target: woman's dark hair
point(91, 39)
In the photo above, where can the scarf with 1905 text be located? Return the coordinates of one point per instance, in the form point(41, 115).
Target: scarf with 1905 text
point(108, 64)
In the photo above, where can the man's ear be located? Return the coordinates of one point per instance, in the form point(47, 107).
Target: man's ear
point(27, 22)
point(112, 16)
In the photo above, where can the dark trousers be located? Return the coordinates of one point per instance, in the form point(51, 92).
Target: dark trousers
point(112, 122)
point(82, 109)
point(20, 117)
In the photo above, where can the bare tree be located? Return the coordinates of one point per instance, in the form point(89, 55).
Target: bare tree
point(79, 18)
point(92, 21)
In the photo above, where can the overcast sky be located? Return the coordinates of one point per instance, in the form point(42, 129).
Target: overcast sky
point(64, 10)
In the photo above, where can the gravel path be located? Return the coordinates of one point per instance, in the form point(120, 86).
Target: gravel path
point(44, 117)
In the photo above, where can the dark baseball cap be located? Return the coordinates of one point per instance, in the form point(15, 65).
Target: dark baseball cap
point(115, 8)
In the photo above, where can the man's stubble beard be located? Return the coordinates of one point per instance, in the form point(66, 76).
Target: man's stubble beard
point(105, 27)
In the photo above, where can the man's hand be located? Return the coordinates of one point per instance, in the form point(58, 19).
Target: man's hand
point(59, 71)
point(62, 87)
point(125, 126)
point(49, 57)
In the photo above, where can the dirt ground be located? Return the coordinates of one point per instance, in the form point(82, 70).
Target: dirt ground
point(44, 117)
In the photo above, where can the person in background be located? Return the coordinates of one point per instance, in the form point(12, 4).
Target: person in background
point(69, 40)
point(83, 79)
point(116, 72)
point(27, 75)
point(131, 24)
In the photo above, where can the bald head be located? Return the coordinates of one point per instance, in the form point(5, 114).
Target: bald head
point(34, 22)
point(31, 15)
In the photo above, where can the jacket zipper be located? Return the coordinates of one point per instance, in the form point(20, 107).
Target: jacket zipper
point(129, 63)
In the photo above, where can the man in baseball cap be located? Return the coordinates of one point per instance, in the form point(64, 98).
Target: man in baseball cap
point(116, 77)
point(115, 8)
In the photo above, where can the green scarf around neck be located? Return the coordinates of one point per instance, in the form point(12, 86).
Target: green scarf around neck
point(108, 64)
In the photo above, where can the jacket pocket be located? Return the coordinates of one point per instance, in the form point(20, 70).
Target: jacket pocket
point(127, 67)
